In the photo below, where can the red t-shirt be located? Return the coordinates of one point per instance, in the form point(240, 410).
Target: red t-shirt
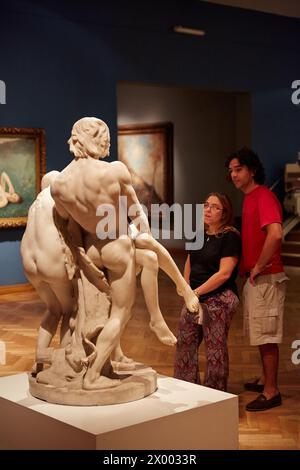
point(260, 208)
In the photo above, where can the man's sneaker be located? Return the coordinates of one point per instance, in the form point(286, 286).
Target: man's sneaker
point(254, 386)
point(261, 403)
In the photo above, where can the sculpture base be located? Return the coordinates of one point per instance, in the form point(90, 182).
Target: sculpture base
point(139, 384)
point(179, 415)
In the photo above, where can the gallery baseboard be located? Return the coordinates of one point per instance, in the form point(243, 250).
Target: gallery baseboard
point(11, 289)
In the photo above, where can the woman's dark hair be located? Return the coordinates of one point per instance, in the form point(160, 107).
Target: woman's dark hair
point(249, 158)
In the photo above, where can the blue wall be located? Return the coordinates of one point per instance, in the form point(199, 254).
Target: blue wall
point(62, 61)
point(275, 130)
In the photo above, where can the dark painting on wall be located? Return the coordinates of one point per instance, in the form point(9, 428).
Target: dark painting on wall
point(147, 151)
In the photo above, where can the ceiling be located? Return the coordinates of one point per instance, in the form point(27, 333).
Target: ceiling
point(279, 7)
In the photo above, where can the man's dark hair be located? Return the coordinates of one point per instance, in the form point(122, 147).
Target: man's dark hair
point(249, 158)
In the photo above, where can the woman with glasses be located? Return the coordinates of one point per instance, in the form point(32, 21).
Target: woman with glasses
point(211, 273)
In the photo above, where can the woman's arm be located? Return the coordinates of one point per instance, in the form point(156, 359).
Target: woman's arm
point(226, 268)
point(187, 270)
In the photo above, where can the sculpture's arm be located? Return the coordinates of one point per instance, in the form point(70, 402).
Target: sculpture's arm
point(135, 210)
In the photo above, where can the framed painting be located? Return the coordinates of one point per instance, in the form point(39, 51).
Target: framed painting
point(22, 165)
point(147, 151)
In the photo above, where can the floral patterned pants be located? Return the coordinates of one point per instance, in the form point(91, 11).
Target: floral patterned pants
point(214, 330)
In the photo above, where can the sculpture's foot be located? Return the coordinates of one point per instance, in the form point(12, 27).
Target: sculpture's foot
point(93, 381)
point(120, 362)
point(163, 332)
point(110, 367)
point(120, 357)
point(123, 366)
point(190, 298)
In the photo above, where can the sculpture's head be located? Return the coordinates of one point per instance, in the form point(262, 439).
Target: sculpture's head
point(90, 138)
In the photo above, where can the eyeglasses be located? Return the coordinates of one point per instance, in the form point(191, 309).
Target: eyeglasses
point(212, 207)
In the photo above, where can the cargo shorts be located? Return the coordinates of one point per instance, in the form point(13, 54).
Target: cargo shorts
point(263, 305)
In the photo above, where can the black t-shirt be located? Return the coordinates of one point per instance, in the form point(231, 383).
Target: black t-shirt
point(206, 262)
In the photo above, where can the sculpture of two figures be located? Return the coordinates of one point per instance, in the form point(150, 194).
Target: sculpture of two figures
point(87, 276)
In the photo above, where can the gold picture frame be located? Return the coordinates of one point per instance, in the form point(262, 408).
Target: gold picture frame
point(22, 166)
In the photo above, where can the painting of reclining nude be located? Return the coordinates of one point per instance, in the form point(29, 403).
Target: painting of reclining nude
point(146, 149)
point(22, 164)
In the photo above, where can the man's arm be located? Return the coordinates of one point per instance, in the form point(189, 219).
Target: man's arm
point(272, 243)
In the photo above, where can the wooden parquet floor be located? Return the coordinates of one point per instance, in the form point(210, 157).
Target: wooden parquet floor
point(278, 428)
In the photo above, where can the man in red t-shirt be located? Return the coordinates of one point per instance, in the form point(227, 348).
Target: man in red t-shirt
point(264, 291)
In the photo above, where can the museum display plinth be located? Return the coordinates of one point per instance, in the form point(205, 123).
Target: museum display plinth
point(179, 415)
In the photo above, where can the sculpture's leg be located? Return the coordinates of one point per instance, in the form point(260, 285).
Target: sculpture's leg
point(58, 299)
point(49, 322)
point(65, 296)
point(118, 257)
point(167, 264)
point(75, 353)
point(148, 260)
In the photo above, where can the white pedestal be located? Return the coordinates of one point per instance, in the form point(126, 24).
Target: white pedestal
point(179, 415)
